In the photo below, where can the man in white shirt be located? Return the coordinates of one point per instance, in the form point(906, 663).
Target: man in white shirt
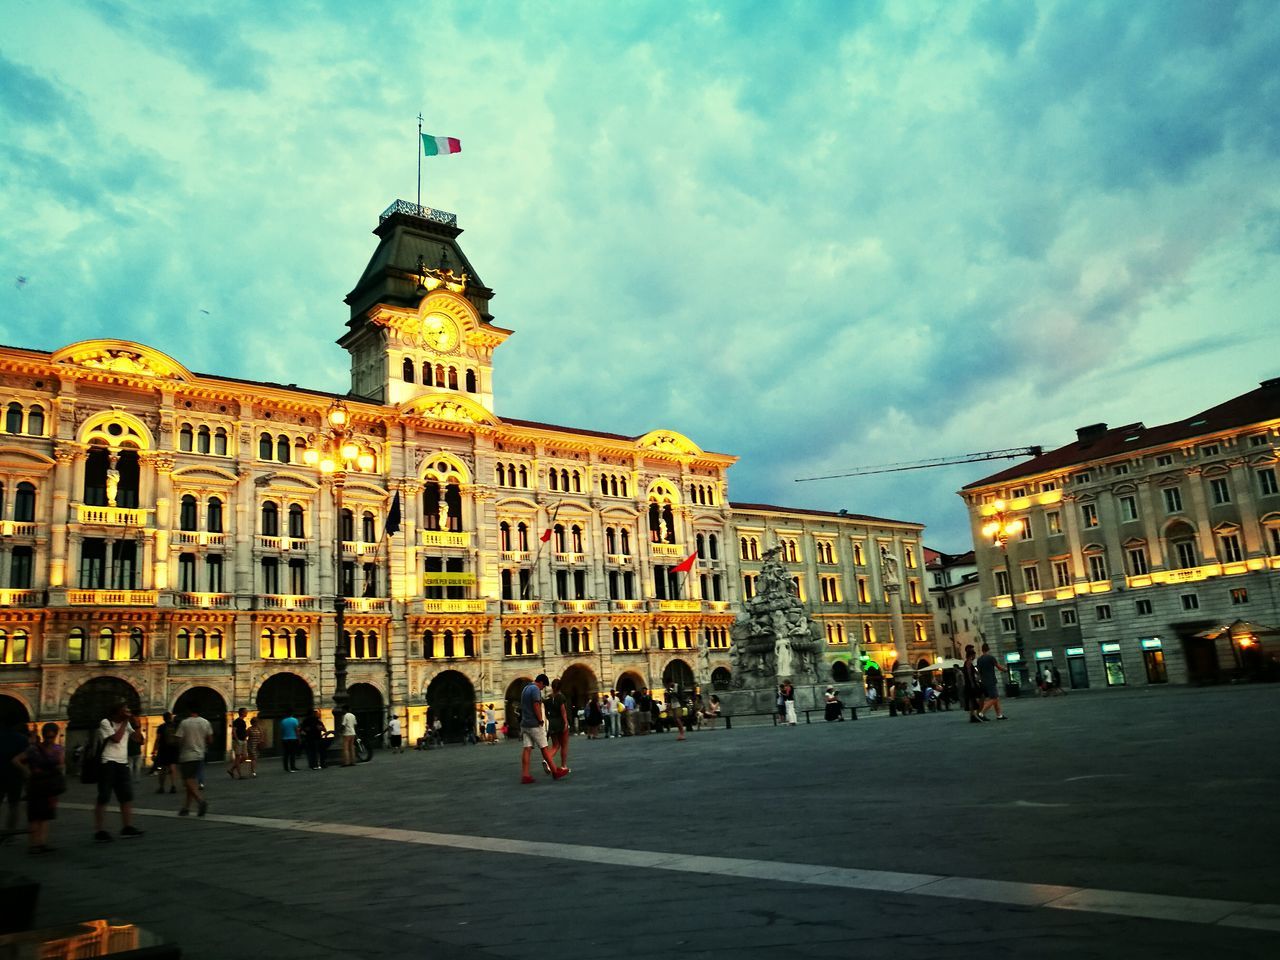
point(606, 709)
point(348, 739)
point(629, 718)
point(114, 733)
point(393, 731)
point(195, 733)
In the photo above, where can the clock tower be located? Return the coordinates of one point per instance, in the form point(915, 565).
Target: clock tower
point(420, 322)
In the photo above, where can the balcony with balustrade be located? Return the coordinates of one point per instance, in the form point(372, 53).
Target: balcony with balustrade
point(198, 538)
point(619, 559)
point(17, 528)
point(626, 606)
point(452, 606)
point(111, 598)
point(580, 606)
point(21, 598)
point(521, 606)
point(667, 550)
point(111, 516)
point(368, 605)
point(569, 557)
point(206, 601)
point(444, 538)
point(286, 601)
point(676, 606)
point(515, 556)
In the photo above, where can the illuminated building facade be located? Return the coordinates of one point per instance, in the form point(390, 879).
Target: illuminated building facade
point(1145, 554)
point(168, 537)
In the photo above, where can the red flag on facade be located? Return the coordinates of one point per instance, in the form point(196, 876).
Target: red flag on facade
point(685, 565)
point(546, 535)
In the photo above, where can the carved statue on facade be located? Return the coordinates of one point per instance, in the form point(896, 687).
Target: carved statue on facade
point(774, 638)
point(113, 481)
point(444, 514)
point(889, 568)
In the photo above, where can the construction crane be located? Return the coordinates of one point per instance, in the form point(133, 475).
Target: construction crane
point(1007, 454)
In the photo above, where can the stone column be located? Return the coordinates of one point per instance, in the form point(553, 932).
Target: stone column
point(1252, 532)
point(65, 458)
point(163, 522)
point(893, 586)
point(1199, 515)
point(242, 526)
point(1151, 530)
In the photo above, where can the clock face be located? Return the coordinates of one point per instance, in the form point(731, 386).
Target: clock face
point(439, 332)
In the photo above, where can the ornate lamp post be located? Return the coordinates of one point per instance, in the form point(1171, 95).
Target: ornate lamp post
point(999, 528)
point(336, 450)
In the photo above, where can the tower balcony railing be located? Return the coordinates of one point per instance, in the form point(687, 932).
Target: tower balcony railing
point(17, 528)
point(358, 548)
point(668, 550)
point(21, 598)
point(521, 606)
point(111, 516)
point(619, 559)
point(569, 556)
point(211, 601)
point(421, 212)
point(444, 538)
point(199, 538)
point(515, 556)
point(111, 598)
point(291, 544)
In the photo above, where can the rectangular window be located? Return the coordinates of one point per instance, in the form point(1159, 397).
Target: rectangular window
point(1239, 595)
point(1137, 561)
point(1062, 573)
point(1172, 500)
point(1048, 485)
point(1142, 608)
point(270, 575)
point(1104, 611)
point(1089, 514)
point(1164, 460)
point(1031, 578)
point(1128, 508)
point(20, 568)
point(1273, 535)
point(1068, 617)
point(298, 578)
point(857, 554)
point(1097, 567)
point(1209, 450)
point(1018, 493)
point(863, 595)
point(913, 590)
point(1002, 583)
point(1026, 528)
point(1231, 552)
point(1054, 520)
point(213, 564)
point(1267, 481)
point(1084, 477)
point(1258, 440)
point(1006, 624)
point(433, 591)
point(1037, 621)
point(1186, 550)
point(911, 557)
point(1120, 469)
point(1190, 601)
point(1220, 490)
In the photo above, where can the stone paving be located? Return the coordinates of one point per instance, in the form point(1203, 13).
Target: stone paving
point(1169, 792)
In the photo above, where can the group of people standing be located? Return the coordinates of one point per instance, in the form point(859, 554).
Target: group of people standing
point(981, 686)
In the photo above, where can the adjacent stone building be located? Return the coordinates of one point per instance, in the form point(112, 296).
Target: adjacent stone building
point(1147, 554)
point(168, 536)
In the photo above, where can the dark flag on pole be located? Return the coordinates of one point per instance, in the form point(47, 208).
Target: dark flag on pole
point(393, 517)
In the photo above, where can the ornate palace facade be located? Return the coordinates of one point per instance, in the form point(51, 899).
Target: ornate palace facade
point(169, 536)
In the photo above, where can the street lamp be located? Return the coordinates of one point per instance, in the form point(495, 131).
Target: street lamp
point(336, 450)
point(999, 528)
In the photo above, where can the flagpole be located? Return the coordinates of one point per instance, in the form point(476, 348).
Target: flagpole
point(537, 553)
point(419, 210)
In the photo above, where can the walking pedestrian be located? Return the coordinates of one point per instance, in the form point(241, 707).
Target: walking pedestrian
point(873, 697)
point(610, 710)
point(629, 710)
point(195, 733)
point(114, 734)
point(239, 743)
point(533, 732)
point(393, 731)
point(789, 702)
point(987, 667)
point(349, 738)
point(490, 723)
point(313, 734)
point(971, 685)
point(45, 769)
point(289, 742)
point(675, 709)
point(165, 753)
point(558, 725)
point(594, 716)
point(135, 755)
point(256, 739)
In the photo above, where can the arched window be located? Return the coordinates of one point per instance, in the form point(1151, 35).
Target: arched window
point(471, 381)
point(282, 448)
point(371, 648)
point(610, 540)
point(439, 374)
point(213, 515)
point(185, 436)
point(297, 527)
point(558, 535)
point(428, 644)
point(407, 370)
point(24, 503)
point(75, 644)
point(187, 513)
point(524, 477)
point(135, 643)
point(625, 542)
point(214, 650)
point(622, 485)
point(500, 477)
point(220, 442)
point(184, 643)
point(453, 378)
point(446, 643)
point(575, 533)
point(553, 479)
point(522, 536)
point(347, 525)
point(368, 527)
point(564, 480)
point(106, 644)
point(604, 485)
point(13, 418)
point(35, 421)
point(203, 438)
point(702, 546)
point(564, 639)
point(468, 643)
point(426, 374)
point(713, 546)
point(270, 519)
point(613, 486)
point(265, 446)
point(504, 536)
point(577, 482)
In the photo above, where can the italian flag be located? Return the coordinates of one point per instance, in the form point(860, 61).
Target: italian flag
point(434, 146)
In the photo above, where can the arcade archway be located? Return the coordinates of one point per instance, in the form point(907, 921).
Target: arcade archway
point(630, 682)
point(721, 678)
point(577, 684)
point(365, 701)
point(512, 700)
point(209, 704)
point(451, 699)
point(13, 712)
point(96, 698)
point(679, 673)
point(280, 695)
point(840, 672)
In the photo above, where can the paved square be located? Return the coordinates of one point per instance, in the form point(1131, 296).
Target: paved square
point(1138, 824)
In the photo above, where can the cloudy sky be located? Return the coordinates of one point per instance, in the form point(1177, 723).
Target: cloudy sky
point(817, 235)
